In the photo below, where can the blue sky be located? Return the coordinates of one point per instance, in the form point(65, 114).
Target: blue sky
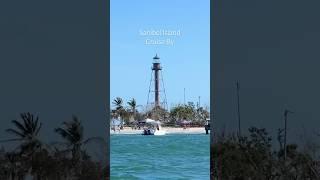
point(186, 64)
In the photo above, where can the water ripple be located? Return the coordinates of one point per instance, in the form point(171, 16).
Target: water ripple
point(160, 157)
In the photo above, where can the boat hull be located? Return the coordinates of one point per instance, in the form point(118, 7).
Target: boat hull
point(155, 133)
point(159, 133)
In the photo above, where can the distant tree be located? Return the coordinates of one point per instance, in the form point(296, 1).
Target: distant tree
point(119, 109)
point(72, 132)
point(132, 104)
point(27, 132)
point(180, 112)
point(40, 161)
point(118, 102)
point(252, 157)
point(202, 115)
point(157, 113)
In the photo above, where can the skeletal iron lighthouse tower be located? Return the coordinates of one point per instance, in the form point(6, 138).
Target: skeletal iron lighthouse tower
point(156, 68)
point(158, 86)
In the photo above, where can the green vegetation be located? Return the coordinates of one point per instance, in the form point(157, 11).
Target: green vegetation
point(63, 160)
point(178, 113)
point(253, 157)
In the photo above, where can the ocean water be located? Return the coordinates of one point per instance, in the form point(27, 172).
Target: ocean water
point(167, 157)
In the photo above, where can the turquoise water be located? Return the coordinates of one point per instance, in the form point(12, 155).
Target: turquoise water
point(160, 157)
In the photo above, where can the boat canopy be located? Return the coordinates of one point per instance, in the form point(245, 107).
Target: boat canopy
point(151, 121)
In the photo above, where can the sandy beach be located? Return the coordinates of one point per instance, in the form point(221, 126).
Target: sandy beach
point(169, 130)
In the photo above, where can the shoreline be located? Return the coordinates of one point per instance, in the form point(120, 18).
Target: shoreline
point(169, 130)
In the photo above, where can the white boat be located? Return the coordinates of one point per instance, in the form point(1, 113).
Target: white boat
point(153, 127)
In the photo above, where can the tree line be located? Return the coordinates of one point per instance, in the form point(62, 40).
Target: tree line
point(65, 160)
point(129, 113)
point(253, 157)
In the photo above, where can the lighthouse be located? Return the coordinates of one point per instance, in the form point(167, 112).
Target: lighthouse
point(156, 86)
point(156, 68)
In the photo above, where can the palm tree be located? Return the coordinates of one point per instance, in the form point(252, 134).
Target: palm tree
point(118, 103)
point(72, 132)
point(132, 103)
point(27, 132)
point(120, 110)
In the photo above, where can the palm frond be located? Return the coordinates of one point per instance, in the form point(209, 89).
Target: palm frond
point(118, 102)
point(35, 125)
point(72, 131)
point(20, 126)
point(15, 132)
point(132, 103)
point(27, 121)
point(38, 130)
point(62, 132)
